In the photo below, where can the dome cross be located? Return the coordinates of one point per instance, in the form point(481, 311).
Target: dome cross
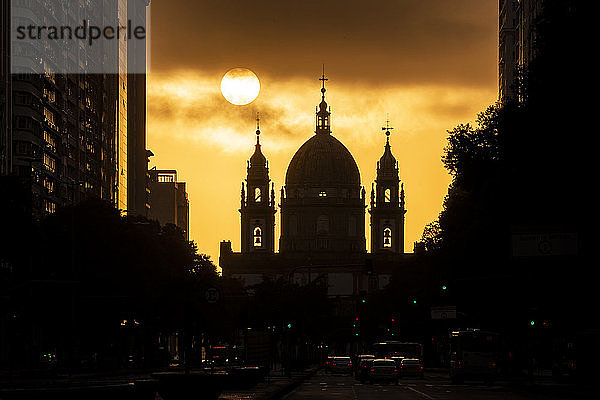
point(323, 79)
point(257, 127)
point(387, 128)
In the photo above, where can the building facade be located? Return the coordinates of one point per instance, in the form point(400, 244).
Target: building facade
point(322, 214)
point(169, 202)
point(516, 21)
point(322, 202)
point(68, 136)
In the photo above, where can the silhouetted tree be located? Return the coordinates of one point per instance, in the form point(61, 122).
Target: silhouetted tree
point(520, 166)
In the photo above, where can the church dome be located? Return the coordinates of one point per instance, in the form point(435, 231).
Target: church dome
point(322, 161)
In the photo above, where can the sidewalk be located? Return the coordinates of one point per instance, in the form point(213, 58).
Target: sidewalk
point(548, 387)
point(541, 385)
point(75, 379)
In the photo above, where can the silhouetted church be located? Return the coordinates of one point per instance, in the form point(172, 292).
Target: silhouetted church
point(322, 218)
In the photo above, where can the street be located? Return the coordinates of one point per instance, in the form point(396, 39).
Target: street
point(435, 386)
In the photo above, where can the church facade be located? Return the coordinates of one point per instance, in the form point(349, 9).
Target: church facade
point(322, 214)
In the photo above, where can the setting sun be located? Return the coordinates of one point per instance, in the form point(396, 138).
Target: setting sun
point(240, 86)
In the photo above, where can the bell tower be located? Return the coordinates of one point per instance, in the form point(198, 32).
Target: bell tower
point(257, 206)
point(387, 204)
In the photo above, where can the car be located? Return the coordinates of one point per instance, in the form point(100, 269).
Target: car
point(359, 359)
point(341, 365)
point(364, 366)
point(383, 369)
point(328, 364)
point(411, 367)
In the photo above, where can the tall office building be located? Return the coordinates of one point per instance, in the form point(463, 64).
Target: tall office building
point(169, 202)
point(138, 179)
point(67, 136)
point(516, 20)
point(5, 90)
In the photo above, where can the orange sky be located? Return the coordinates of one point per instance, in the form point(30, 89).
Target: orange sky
point(429, 66)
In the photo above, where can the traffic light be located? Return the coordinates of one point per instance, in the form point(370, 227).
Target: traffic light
point(356, 327)
point(540, 324)
point(369, 267)
point(394, 327)
point(444, 288)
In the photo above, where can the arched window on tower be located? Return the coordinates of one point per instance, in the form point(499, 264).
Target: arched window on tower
point(323, 121)
point(387, 196)
point(258, 237)
point(257, 195)
point(387, 238)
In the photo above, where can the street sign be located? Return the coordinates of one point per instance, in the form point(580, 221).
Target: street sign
point(443, 312)
point(544, 244)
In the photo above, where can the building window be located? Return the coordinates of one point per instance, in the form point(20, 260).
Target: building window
point(49, 206)
point(323, 224)
point(50, 142)
point(258, 237)
point(24, 122)
point(293, 225)
point(257, 195)
point(373, 283)
point(22, 148)
point(49, 118)
point(49, 163)
point(387, 195)
point(166, 177)
point(49, 185)
point(22, 99)
point(322, 193)
point(49, 95)
point(387, 238)
point(352, 226)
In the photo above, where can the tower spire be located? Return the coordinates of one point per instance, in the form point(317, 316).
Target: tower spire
point(258, 207)
point(323, 114)
point(387, 212)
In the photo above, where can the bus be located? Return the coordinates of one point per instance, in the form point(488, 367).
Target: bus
point(473, 355)
point(396, 349)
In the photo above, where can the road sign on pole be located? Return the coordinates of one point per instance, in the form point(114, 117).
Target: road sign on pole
point(212, 295)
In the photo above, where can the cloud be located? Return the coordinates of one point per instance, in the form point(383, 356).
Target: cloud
point(188, 106)
point(380, 41)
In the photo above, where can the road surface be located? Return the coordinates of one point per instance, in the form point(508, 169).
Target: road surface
point(433, 387)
